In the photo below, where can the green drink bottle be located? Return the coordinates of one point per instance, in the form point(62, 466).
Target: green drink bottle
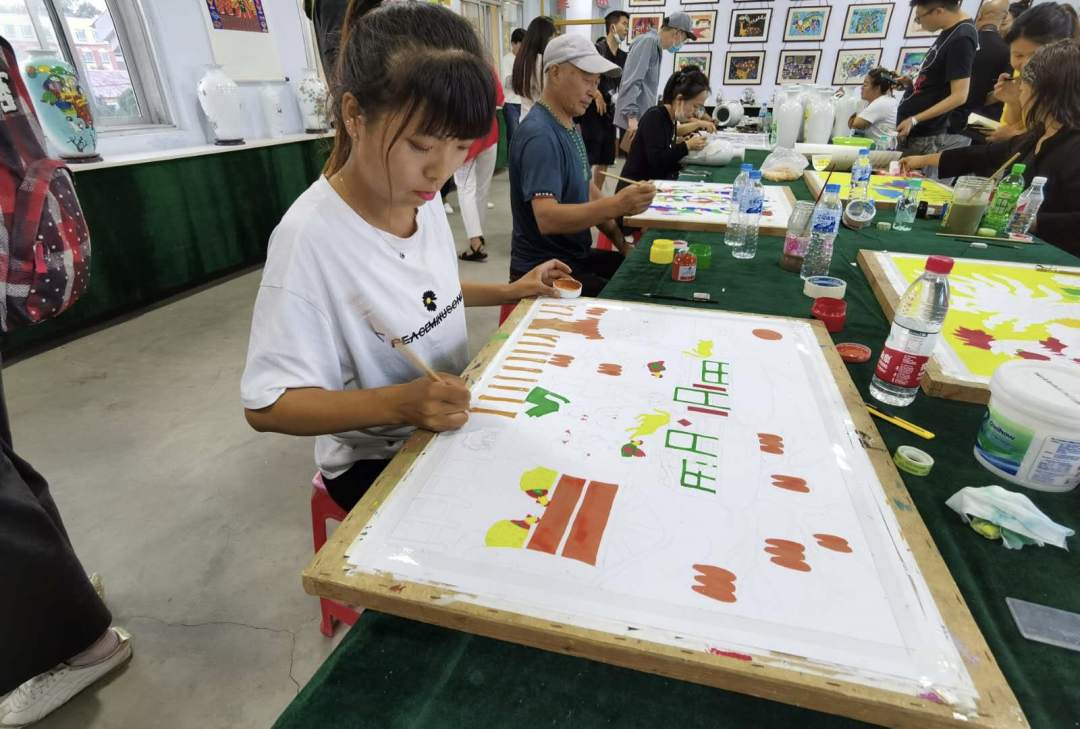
point(1002, 206)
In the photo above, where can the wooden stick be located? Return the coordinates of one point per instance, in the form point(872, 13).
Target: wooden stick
point(622, 179)
point(957, 236)
point(415, 359)
point(900, 423)
point(1002, 168)
point(1053, 269)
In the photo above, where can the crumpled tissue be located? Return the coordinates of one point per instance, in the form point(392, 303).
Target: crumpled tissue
point(993, 511)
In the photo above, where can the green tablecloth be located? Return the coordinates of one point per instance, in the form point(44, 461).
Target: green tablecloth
point(390, 672)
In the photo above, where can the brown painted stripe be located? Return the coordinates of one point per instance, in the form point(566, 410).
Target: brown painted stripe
point(583, 544)
point(549, 531)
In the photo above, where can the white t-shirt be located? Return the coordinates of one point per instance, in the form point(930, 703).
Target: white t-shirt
point(508, 75)
point(881, 113)
point(325, 268)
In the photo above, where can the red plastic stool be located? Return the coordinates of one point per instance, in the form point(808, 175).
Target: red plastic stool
point(504, 311)
point(603, 243)
point(322, 508)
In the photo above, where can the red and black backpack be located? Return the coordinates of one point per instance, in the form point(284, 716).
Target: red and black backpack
point(44, 241)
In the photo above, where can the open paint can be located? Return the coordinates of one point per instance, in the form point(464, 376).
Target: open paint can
point(1031, 432)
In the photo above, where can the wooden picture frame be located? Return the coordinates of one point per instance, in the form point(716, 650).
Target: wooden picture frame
point(809, 24)
point(646, 3)
point(753, 61)
point(762, 20)
point(704, 26)
point(691, 3)
point(904, 65)
point(875, 19)
point(641, 23)
point(914, 30)
point(684, 58)
point(846, 75)
point(780, 679)
point(814, 55)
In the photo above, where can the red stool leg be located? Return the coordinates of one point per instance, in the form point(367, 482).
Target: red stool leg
point(603, 243)
point(323, 507)
point(505, 311)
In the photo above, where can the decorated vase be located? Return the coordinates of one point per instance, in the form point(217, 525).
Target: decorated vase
point(273, 109)
point(61, 104)
point(314, 100)
point(223, 104)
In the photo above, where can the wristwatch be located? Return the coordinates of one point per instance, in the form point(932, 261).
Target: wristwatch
point(914, 121)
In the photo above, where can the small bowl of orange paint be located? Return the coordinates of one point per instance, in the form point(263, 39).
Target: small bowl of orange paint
point(568, 288)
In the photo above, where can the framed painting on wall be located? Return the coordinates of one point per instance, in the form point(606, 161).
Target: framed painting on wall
point(867, 22)
point(798, 66)
point(914, 30)
point(744, 68)
point(852, 65)
point(807, 25)
point(642, 23)
point(750, 26)
point(646, 3)
point(700, 2)
point(704, 23)
point(701, 59)
point(910, 61)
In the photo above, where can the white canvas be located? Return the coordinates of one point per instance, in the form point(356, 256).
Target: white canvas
point(771, 537)
point(709, 203)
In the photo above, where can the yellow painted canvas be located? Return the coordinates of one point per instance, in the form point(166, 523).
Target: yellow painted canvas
point(889, 189)
point(999, 312)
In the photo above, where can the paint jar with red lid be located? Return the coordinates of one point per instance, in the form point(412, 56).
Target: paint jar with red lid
point(684, 266)
point(832, 312)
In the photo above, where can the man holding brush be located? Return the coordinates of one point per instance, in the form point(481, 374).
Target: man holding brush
point(552, 198)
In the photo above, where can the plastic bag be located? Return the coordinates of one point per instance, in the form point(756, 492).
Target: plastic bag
point(716, 153)
point(784, 165)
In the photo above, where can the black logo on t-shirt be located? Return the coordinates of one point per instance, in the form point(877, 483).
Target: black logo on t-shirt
point(429, 300)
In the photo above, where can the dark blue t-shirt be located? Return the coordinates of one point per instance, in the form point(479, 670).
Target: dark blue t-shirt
point(546, 160)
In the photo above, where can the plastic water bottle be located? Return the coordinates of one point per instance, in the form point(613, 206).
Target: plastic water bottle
point(860, 176)
point(823, 229)
point(733, 236)
point(907, 206)
point(1003, 204)
point(1027, 207)
point(753, 205)
point(916, 325)
point(766, 119)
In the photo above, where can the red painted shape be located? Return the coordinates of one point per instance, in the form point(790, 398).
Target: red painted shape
point(596, 311)
point(549, 531)
point(714, 582)
point(707, 411)
point(583, 543)
point(1032, 355)
point(833, 542)
point(769, 335)
point(975, 337)
point(790, 483)
point(684, 422)
point(714, 388)
point(1054, 344)
point(770, 443)
point(731, 654)
point(561, 360)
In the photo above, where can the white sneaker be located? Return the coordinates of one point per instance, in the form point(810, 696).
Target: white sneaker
point(47, 692)
point(491, 206)
point(448, 208)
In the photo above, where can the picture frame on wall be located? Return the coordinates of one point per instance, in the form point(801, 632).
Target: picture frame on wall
point(852, 65)
point(646, 3)
point(868, 22)
point(704, 23)
point(807, 24)
point(701, 59)
point(699, 2)
point(750, 26)
point(911, 59)
point(798, 66)
point(744, 68)
point(914, 30)
point(642, 23)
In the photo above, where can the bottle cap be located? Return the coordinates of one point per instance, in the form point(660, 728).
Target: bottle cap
point(864, 152)
point(939, 264)
point(747, 167)
point(832, 187)
point(1019, 168)
point(1039, 181)
point(755, 174)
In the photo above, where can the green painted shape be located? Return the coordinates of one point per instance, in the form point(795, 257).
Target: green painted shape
point(545, 402)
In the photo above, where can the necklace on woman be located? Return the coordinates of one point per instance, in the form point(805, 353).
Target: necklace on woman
point(345, 191)
point(579, 143)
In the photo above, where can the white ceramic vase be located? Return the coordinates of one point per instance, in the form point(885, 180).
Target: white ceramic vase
point(788, 117)
point(221, 101)
point(819, 117)
point(728, 113)
point(314, 100)
point(273, 109)
point(846, 105)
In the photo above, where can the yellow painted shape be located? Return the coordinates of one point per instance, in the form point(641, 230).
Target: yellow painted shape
point(1018, 305)
point(539, 478)
point(703, 349)
point(649, 423)
point(933, 193)
point(505, 533)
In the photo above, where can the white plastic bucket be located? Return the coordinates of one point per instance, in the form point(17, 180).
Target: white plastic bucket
point(1031, 432)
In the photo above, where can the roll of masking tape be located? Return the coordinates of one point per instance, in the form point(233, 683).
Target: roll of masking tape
point(913, 461)
point(825, 287)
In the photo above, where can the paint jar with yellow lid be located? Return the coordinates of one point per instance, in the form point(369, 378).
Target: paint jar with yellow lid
point(662, 251)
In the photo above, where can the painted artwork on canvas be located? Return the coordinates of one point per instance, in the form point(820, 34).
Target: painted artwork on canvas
point(709, 203)
point(243, 15)
point(642, 23)
point(867, 22)
point(798, 66)
point(853, 65)
point(911, 60)
point(807, 24)
point(693, 474)
point(999, 312)
point(884, 188)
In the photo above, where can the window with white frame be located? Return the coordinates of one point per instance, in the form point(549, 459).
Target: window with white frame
point(107, 42)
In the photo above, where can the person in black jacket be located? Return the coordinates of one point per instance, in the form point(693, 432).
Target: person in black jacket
point(1050, 98)
point(666, 133)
